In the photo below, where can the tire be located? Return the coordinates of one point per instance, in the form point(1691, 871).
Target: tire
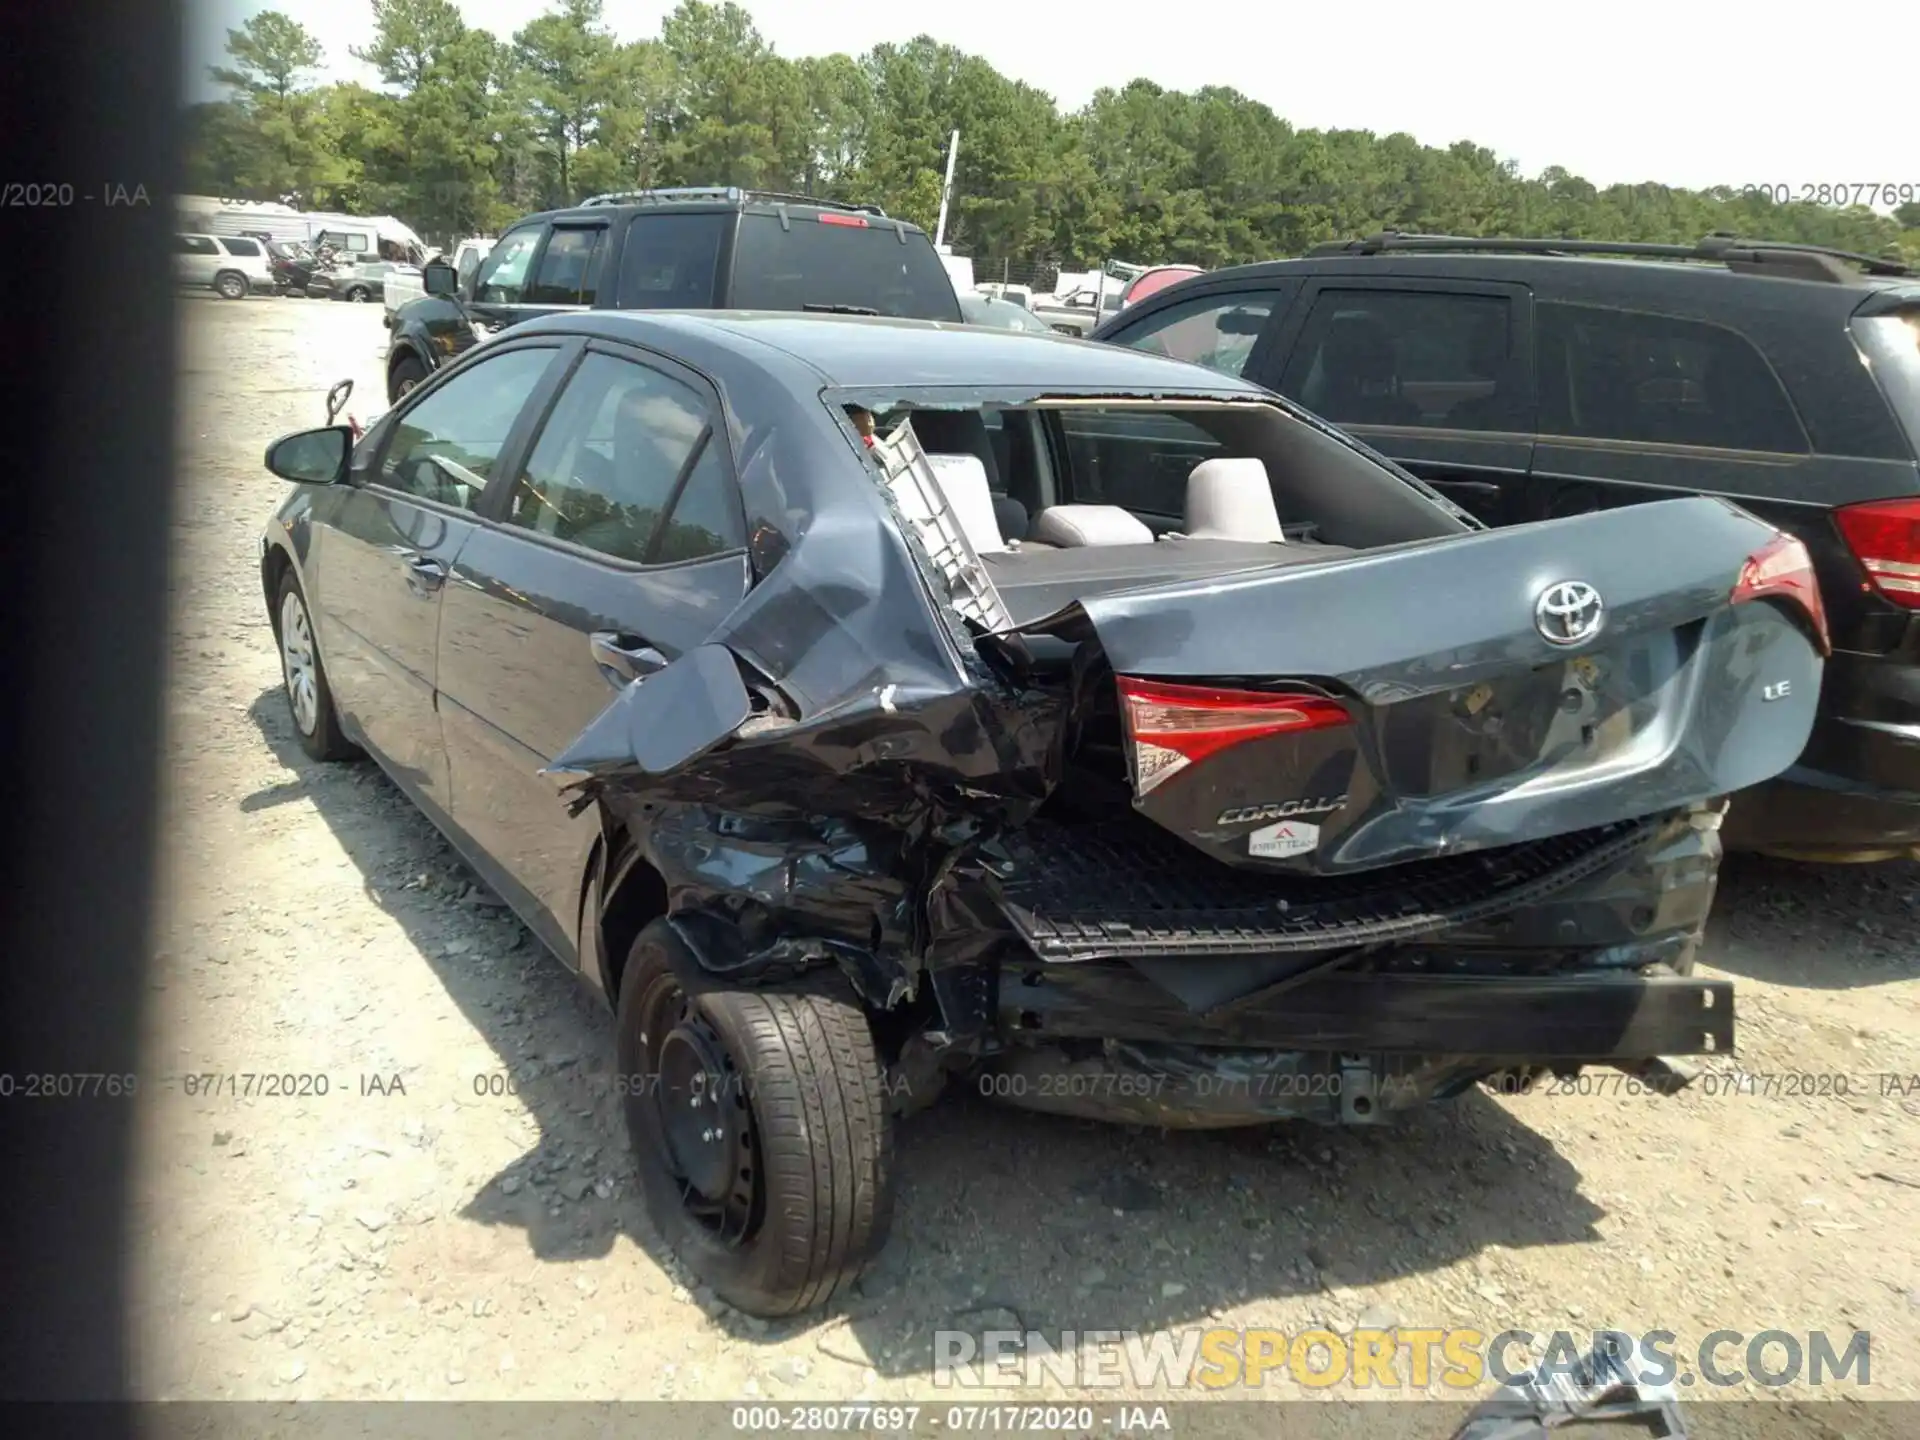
point(406, 373)
point(359, 294)
point(323, 738)
point(230, 285)
point(804, 1138)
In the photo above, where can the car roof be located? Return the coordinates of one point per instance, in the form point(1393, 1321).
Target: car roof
point(866, 352)
point(702, 201)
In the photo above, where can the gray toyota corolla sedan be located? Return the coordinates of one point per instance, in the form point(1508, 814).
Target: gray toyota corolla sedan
point(859, 704)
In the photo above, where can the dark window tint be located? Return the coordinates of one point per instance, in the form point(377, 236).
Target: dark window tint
point(1625, 375)
point(669, 261)
point(569, 268)
point(1135, 459)
point(1401, 357)
point(242, 247)
point(850, 261)
point(1217, 331)
point(611, 460)
point(195, 245)
point(503, 274)
point(444, 448)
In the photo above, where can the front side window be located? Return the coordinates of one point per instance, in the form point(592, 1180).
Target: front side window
point(1410, 358)
point(1138, 459)
point(195, 245)
point(569, 268)
point(1217, 331)
point(503, 275)
point(444, 448)
point(1628, 375)
point(628, 465)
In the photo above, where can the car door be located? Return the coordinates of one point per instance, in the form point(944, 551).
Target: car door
point(382, 559)
point(539, 270)
point(1435, 374)
point(196, 257)
point(1640, 405)
point(618, 546)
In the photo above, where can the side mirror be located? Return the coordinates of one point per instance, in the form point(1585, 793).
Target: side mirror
point(312, 457)
point(440, 278)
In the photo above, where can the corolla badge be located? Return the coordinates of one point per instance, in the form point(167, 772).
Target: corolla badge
point(1569, 612)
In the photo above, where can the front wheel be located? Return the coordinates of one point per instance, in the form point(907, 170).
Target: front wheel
point(309, 698)
point(759, 1122)
point(359, 296)
point(407, 372)
point(230, 286)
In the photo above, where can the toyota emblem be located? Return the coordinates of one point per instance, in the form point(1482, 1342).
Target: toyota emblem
point(1569, 613)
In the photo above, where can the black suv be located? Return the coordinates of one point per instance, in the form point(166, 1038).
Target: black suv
point(1527, 379)
point(703, 248)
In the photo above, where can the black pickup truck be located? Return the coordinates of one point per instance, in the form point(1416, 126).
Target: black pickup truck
point(708, 248)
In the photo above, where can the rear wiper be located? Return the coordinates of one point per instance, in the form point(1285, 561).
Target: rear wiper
point(840, 309)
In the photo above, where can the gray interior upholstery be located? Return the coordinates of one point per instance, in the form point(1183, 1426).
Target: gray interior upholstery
point(1232, 499)
point(1072, 526)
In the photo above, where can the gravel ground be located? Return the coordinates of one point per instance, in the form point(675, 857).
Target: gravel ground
point(455, 1216)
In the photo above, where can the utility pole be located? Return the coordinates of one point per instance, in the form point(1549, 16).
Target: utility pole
point(946, 191)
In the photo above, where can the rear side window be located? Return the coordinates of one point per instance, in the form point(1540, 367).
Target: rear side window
point(839, 260)
point(670, 261)
point(242, 247)
point(569, 267)
point(628, 465)
point(1217, 331)
point(343, 240)
point(1629, 375)
point(1410, 358)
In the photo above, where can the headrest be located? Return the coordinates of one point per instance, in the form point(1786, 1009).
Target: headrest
point(1073, 525)
point(963, 480)
point(1231, 499)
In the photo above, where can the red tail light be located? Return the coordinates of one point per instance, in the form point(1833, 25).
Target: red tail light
point(857, 222)
point(1885, 536)
point(1171, 726)
point(1782, 570)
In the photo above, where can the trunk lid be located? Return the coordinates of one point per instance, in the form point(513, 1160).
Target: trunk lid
point(1481, 690)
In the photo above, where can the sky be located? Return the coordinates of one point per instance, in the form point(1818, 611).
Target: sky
point(1681, 92)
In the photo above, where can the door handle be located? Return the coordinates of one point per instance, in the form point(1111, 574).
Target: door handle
point(624, 657)
point(425, 575)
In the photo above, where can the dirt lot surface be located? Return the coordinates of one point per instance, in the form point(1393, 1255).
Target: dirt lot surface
point(455, 1217)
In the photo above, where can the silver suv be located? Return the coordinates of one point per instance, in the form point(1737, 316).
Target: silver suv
point(232, 266)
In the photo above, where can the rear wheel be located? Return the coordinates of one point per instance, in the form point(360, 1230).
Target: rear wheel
point(309, 700)
point(759, 1123)
point(407, 372)
point(359, 294)
point(230, 285)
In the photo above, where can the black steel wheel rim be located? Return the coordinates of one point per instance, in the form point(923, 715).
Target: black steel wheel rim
point(706, 1138)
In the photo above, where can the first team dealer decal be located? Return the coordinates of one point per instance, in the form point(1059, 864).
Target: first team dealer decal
point(1289, 837)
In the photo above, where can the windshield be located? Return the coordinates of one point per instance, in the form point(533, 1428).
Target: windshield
point(839, 261)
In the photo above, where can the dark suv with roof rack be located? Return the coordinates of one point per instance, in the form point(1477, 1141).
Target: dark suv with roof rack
point(697, 248)
point(1528, 379)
